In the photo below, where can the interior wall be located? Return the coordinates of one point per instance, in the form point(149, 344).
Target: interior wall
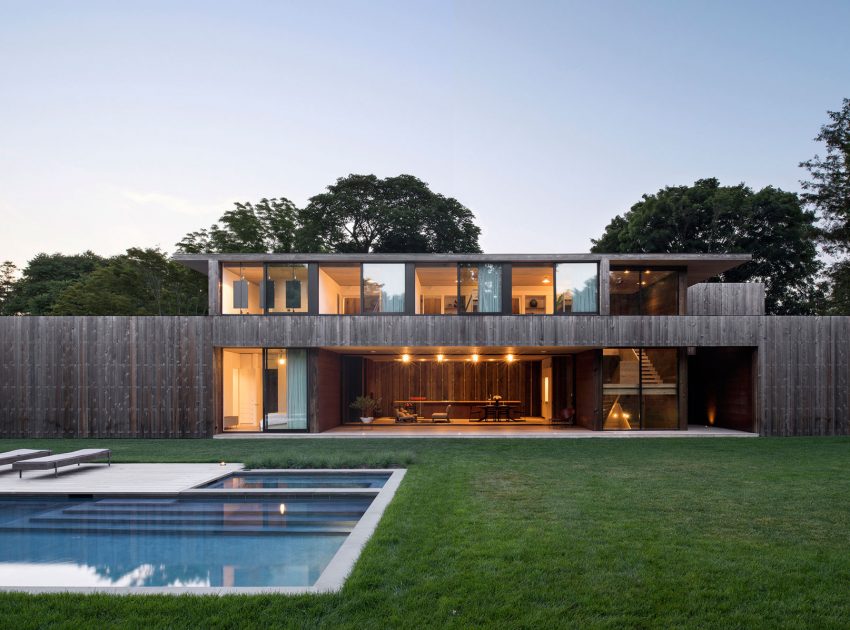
point(454, 380)
point(328, 293)
point(721, 388)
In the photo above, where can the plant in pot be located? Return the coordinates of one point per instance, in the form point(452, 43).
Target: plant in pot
point(366, 405)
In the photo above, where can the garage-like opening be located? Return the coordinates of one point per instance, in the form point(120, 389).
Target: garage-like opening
point(721, 388)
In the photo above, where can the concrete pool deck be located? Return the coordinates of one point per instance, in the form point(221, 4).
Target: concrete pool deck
point(149, 479)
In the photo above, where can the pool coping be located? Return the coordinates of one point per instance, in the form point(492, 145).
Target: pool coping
point(331, 579)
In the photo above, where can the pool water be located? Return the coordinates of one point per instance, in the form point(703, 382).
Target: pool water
point(281, 540)
point(300, 480)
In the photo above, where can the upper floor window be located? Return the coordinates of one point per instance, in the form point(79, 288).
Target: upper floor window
point(287, 288)
point(644, 292)
point(383, 288)
point(480, 288)
point(532, 290)
point(241, 289)
point(577, 288)
point(436, 289)
point(339, 289)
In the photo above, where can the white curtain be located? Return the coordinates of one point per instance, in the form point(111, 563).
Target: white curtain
point(489, 288)
point(296, 389)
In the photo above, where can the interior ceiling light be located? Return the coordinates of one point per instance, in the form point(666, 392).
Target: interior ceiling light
point(545, 280)
point(281, 361)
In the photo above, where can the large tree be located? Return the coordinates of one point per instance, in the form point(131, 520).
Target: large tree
point(828, 193)
point(770, 224)
point(140, 282)
point(44, 278)
point(359, 213)
point(362, 213)
point(267, 226)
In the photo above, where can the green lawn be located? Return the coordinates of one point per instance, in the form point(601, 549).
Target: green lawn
point(538, 533)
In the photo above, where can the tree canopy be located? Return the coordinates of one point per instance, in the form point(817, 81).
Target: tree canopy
point(828, 193)
point(43, 280)
point(140, 282)
point(771, 224)
point(358, 213)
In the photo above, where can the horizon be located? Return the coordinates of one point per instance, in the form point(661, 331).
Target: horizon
point(131, 125)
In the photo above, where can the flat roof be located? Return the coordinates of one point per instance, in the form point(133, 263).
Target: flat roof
point(700, 267)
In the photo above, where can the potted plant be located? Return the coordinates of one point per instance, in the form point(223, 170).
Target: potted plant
point(366, 405)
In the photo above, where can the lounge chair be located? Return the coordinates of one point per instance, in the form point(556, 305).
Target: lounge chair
point(442, 417)
point(402, 415)
point(10, 457)
point(63, 459)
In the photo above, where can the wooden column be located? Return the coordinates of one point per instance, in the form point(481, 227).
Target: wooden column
point(214, 286)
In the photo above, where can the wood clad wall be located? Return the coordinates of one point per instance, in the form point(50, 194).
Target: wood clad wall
point(721, 389)
point(105, 377)
point(726, 298)
point(588, 389)
point(804, 376)
point(454, 380)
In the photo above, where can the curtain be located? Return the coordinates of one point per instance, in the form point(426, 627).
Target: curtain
point(296, 389)
point(489, 288)
point(392, 302)
point(584, 299)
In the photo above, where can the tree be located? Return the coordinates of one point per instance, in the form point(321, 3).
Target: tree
point(140, 282)
point(362, 213)
point(8, 271)
point(828, 191)
point(44, 278)
point(268, 226)
point(770, 224)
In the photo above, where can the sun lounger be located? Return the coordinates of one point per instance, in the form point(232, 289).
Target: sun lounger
point(63, 459)
point(10, 457)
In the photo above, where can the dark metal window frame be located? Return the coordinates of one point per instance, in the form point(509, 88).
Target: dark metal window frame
point(264, 424)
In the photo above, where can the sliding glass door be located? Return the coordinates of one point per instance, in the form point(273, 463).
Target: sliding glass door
point(264, 389)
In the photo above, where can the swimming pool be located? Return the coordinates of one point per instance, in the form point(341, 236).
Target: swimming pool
point(227, 538)
point(296, 479)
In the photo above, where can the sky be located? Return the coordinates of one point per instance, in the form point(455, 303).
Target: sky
point(132, 123)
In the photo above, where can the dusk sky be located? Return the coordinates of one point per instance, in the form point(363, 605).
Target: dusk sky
point(132, 123)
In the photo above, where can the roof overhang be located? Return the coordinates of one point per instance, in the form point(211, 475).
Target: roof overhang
point(700, 267)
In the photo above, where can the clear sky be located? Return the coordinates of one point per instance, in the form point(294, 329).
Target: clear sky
point(131, 123)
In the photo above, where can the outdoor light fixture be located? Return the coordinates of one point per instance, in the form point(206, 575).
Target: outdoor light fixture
point(509, 358)
point(282, 508)
point(475, 358)
point(405, 358)
point(440, 358)
point(222, 464)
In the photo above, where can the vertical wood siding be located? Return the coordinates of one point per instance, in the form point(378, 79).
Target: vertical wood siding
point(105, 377)
point(726, 298)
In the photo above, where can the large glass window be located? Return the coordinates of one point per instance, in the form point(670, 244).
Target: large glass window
point(480, 288)
point(659, 371)
point(436, 289)
point(640, 388)
point(577, 286)
point(532, 290)
point(264, 390)
point(339, 289)
point(286, 289)
point(242, 385)
point(644, 292)
point(620, 389)
point(241, 289)
point(383, 288)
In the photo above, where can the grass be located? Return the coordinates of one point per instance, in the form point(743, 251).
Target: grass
point(709, 533)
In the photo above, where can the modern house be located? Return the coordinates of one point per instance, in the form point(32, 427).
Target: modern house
point(602, 342)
